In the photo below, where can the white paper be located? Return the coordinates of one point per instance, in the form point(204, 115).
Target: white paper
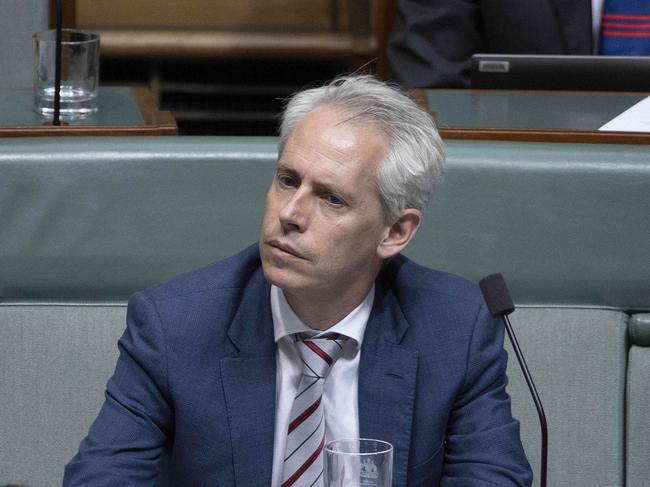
point(634, 119)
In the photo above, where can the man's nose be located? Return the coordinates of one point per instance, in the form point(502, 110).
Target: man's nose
point(294, 215)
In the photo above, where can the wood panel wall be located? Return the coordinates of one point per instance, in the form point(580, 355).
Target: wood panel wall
point(215, 14)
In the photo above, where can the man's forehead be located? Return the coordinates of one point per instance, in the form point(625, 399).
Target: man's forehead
point(326, 137)
point(310, 157)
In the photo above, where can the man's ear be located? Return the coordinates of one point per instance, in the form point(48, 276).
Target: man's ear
point(400, 233)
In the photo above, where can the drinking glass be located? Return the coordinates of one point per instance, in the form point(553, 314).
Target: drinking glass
point(79, 72)
point(358, 463)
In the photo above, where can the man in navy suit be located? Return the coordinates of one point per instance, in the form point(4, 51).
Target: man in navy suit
point(433, 40)
point(211, 363)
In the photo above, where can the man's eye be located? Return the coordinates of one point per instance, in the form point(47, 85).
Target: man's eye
point(333, 200)
point(286, 181)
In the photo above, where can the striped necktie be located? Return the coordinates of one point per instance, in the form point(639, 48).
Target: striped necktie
point(625, 28)
point(303, 461)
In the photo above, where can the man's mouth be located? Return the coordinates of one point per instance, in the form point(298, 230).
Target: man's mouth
point(285, 248)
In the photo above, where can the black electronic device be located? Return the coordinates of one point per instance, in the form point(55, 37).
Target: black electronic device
point(557, 72)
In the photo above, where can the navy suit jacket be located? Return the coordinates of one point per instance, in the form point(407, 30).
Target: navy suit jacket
point(192, 399)
point(433, 40)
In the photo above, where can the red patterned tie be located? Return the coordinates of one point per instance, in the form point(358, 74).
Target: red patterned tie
point(303, 461)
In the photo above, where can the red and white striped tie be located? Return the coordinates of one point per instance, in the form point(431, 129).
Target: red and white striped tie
point(303, 460)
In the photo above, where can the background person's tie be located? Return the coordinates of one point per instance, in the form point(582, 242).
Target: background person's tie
point(303, 460)
point(625, 28)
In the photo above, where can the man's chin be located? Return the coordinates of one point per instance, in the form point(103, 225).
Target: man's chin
point(283, 277)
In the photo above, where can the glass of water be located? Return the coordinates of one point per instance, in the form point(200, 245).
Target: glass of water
point(358, 463)
point(79, 72)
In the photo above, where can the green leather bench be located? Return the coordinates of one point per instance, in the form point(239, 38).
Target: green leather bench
point(84, 222)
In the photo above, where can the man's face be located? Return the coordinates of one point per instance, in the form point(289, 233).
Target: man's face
point(324, 219)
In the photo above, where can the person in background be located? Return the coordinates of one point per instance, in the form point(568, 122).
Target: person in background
point(433, 40)
point(240, 372)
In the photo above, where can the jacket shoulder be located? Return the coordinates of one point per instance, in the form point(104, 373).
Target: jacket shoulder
point(233, 272)
point(411, 281)
point(436, 303)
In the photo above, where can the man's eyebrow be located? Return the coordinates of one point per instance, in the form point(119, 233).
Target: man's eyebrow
point(333, 188)
point(284, 168)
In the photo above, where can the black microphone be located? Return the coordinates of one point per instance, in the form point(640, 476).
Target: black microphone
point(496, 295)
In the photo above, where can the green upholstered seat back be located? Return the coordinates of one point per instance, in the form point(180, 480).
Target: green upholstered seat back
point(577, 357)
point(638, 402)
point(54, 364)
point(98, 218)
point(95, 219)
point(565, 223)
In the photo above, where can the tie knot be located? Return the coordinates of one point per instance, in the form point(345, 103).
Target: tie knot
point(318, 354)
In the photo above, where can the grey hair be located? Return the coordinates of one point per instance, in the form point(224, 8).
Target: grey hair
point(415, 161)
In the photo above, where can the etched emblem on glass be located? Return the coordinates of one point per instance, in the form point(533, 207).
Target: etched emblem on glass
point(358, 463)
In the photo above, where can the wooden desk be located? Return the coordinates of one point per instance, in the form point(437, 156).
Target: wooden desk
point(122, 111)
point(522, 115)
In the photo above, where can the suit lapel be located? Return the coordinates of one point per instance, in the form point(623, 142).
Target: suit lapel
point(387, 378)
point(249, 386)
point(574, 19)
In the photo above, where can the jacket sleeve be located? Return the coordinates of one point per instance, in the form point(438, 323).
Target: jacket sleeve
point(433, 41)
point(483, 447)
point(125, 442)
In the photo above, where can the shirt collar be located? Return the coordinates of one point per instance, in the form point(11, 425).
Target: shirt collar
point(286, 322)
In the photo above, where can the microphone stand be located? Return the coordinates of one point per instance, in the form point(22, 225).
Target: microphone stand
point(500, 305)
point(57, 66)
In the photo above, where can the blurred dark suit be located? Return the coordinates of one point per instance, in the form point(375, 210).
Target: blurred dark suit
point(433, 40)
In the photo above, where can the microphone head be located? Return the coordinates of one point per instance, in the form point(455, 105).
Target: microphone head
point(496, 295)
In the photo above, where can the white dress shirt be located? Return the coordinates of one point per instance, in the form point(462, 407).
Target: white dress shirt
point(596, 13)
point(341, 385)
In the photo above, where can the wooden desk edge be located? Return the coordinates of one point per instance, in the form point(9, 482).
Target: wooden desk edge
point(152, 116)
point(538, 135)
point(419, 96)
point(156, 122)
